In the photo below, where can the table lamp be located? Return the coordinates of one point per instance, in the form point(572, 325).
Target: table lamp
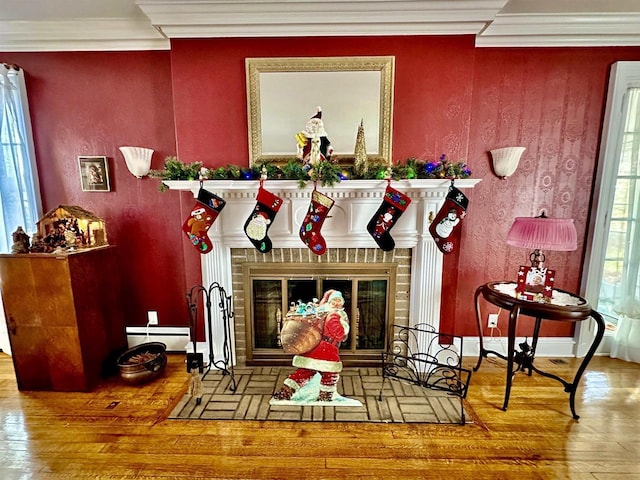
point(543, 233)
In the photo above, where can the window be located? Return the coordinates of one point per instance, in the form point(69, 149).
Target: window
point(622, 253)
point(19, 190)
point(611, 280)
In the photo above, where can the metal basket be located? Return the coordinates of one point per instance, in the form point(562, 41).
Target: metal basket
point(143, 363)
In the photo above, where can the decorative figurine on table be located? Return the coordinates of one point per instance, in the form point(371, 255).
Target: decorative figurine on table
point(20, 241)
point(535, 284)
point(314, 332)
point(38, 245)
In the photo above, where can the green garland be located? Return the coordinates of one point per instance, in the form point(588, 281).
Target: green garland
point(328, 173)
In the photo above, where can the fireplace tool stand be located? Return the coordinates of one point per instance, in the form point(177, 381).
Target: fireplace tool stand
point(195, 361)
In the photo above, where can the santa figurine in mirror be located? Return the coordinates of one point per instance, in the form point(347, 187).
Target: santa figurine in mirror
point(313, 143)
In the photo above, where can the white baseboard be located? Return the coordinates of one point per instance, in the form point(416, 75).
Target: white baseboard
point(175, 338)
point(547, 346)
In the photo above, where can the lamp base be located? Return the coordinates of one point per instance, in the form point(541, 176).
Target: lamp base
point(537, 258)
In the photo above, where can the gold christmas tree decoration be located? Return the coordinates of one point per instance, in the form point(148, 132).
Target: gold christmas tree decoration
point(361, 164)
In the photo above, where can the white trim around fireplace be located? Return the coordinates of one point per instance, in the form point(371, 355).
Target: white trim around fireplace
point(355, 203)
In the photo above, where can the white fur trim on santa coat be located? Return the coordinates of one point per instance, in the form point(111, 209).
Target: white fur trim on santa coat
point(316, 364)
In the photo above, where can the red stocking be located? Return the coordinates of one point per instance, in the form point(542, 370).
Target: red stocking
point(202, 216)
point(312, 223)
point(448, 218)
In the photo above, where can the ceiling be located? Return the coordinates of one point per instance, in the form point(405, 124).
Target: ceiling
point(86, 25)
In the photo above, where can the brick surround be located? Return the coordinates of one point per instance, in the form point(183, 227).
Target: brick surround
point(400, 256)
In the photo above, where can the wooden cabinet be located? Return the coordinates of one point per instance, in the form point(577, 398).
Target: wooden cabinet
point(65, 317)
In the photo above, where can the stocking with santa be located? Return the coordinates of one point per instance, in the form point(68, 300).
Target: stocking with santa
point(257, 225)
point(393, 205)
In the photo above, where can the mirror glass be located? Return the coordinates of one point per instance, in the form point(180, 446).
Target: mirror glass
point(283, 93)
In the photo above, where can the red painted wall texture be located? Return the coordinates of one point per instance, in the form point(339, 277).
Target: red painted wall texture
point(550, 101)
point(90, 104)
point(450, 97)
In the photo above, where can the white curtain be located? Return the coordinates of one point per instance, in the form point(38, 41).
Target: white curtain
point(626, 214)
point(19, 189)
point(626, 342)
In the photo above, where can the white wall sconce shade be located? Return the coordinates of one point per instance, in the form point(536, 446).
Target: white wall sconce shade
point(505, 160)
point(138, 160)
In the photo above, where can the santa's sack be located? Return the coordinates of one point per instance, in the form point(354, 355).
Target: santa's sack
point(301, 333)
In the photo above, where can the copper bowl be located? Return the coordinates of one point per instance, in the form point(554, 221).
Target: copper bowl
point(143, 363)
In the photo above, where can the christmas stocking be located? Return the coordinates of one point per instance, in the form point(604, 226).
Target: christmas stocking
point(257, 225)
point(202, 216)
point(448, 218)
point(312, 223)
point(393, 205)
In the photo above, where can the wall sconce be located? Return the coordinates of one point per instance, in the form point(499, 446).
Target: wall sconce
point(558, 234)
point(505, 160)
point(138, 160)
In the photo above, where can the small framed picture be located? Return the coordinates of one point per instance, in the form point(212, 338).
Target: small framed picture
point(535, 283)
point(94, 174)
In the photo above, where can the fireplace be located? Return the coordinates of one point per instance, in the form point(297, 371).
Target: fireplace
point(416, 296)
point(375, 285)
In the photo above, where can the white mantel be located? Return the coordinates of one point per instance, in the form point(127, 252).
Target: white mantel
point(356, 201)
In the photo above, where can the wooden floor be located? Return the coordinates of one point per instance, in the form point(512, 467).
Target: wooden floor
point(121, 432)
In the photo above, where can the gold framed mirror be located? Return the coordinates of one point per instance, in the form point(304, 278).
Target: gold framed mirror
point(283, 93)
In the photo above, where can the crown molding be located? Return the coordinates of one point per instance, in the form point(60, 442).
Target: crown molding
point(293, 18)
point(80, 35)
point(496, 23)
point(568, 30)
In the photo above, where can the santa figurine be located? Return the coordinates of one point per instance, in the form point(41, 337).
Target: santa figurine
point(384, 222)
point(324, 358)
point(313, 144)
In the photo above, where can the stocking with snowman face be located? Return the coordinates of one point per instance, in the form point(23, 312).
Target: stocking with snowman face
point(448, 218)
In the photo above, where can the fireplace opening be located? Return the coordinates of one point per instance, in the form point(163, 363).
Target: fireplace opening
point(369, 290)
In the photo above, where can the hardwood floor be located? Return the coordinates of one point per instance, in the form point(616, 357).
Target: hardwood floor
point(121, 432)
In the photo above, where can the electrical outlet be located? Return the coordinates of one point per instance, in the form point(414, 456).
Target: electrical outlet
point(152, 318)
point(493, 320)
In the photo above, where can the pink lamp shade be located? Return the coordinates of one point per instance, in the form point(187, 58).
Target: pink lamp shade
point(543, 233)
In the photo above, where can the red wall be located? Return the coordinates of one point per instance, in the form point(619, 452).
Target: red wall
point(90, 104)
point(450, 97)
point(552, 102)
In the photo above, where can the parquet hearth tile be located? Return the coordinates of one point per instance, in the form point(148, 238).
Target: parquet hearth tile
point(400, 403)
